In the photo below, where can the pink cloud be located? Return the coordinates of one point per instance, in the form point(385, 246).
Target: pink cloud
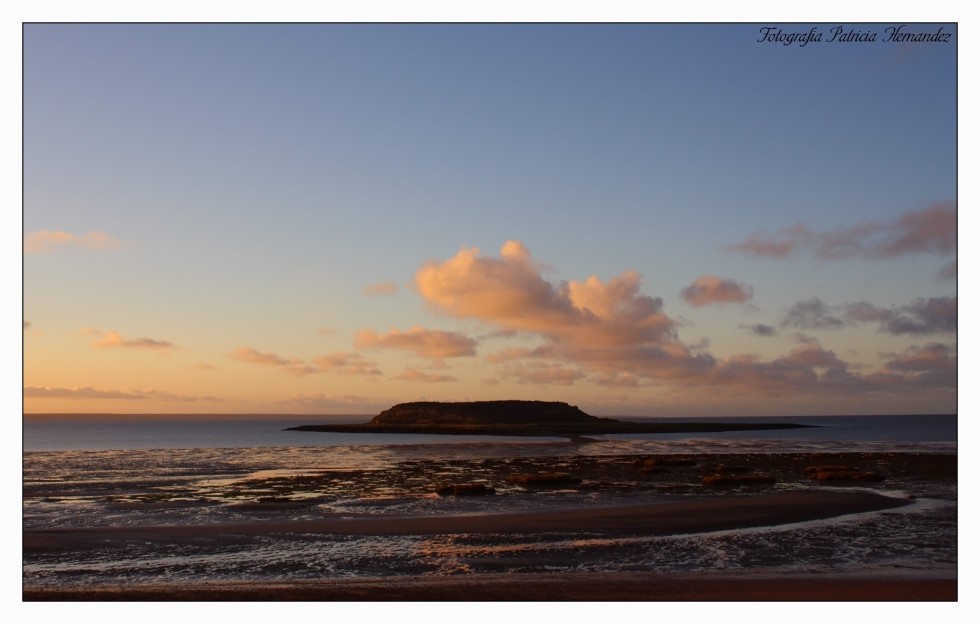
point(931, 230)
point(422, 342)
point(44, 241)
point(709, 289)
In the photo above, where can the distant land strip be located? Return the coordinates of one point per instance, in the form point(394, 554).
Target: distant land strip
point(519, 418)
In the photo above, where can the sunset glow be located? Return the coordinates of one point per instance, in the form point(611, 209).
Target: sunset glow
point(331, 219)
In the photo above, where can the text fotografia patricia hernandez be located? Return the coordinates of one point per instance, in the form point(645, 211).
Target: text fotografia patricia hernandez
point(840, 34)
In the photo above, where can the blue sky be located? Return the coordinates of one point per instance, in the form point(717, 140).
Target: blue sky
point(279, 189)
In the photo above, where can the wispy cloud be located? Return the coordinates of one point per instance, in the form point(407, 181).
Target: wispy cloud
point(426, 343)
point(709, 289)
point(112, 340)
point(44, 241)
point(420, 376)
point(88, 392)
point(384, 288)
point(322, 401)
point(541, 373)
point(346, 364)
point(295, 367)
point(920, 317)
point(931, 230)
point(338, 363)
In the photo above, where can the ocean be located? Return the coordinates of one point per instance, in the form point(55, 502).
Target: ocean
point(81, 473)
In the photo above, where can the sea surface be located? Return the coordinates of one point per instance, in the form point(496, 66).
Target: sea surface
point(138, 471)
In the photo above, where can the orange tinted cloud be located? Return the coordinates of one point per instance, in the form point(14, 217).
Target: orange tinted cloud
point(112, 340)
point(88, 392)
point(419, 376)
point(510, 292)
point(709, 289)
point(294, 367)
point(44, 241)
point(346, 364)
point(422, 342)
point(340, 363)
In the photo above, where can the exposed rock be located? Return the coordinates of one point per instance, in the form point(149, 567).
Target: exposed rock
point(543, 479)
point(664, 462)
point(810, 470)
point(847, 475)
point(757, 478)
point(531, 418)
point(731, 468)
point(465, 489)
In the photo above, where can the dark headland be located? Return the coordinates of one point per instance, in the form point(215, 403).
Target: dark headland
point(519, 418)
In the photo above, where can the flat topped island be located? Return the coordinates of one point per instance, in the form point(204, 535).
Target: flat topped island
point(519, 418)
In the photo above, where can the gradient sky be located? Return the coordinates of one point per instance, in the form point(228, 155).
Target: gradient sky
point(637, 219)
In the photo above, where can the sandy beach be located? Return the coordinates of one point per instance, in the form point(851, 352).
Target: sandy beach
point(445, 531)
point(693, 516)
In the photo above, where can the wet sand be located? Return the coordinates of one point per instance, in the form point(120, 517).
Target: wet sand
point(735, 512)
point(539, 588)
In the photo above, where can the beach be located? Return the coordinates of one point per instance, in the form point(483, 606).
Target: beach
point(631, 529)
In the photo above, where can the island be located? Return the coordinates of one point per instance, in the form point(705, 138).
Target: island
point(519, 418)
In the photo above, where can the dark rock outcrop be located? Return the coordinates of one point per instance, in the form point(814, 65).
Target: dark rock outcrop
point(543, 479)
point(842, 473)
point(522, 418)
point(465, 489)
point(757, 478)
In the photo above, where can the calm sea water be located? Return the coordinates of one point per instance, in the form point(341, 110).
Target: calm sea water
point(930, 432)
point(82, 473)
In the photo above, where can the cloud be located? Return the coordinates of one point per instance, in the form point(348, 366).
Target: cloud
point(88, 392)
point(112, 340)
point(541, 373)
point(931, 230)
point(340, 363)
point(610, 333)
point(922, 316)
point(709, 289)
point(419, 376)
point(422, 342)
point(326, 331)
point(295, 367)
point(932, 357)
point(811, 314)
point(510, 293)
point(384, 288)
point(346, 364)
point(44, 241)
point(781, 244)
point(760, 329)
point(323, 401)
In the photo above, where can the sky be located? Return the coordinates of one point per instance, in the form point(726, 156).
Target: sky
point(638, 219)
